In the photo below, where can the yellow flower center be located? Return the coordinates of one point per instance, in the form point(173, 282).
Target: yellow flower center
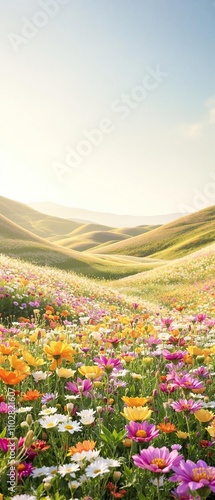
point(21, 467)
point(96, 471)
point(160, 462)
point(202, 473)
point(141, 433)
point(69, 427)
point(51, 424)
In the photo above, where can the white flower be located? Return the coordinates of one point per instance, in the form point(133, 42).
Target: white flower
point(40, 375)
point(48, 411)
point(70, 426)
point(97, 468)
point(68, 469)
point(112, 463)
point(87, 417)
point(24, 409)
point(73, 485)
point(49, 421)
point(23, 497)
point(72, 397)
point(40, 471)
point(85, 455)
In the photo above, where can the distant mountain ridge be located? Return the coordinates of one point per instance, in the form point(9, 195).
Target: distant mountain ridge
point(109, 219)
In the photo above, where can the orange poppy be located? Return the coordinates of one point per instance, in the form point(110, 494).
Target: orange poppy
point(6, 351)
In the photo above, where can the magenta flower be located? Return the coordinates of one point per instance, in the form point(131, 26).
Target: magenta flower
point(158, 460)
point(193, 476)
point(4, 442)
point(186, 405)
point(141, 432)
point(3, 408)
point(108, 364)
point(167, 321)
point(187, 382)
point(168, 388)
point(80, 387)
point(184, 496)
point(173, 356)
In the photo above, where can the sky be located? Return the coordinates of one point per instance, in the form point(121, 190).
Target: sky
point(108, 105)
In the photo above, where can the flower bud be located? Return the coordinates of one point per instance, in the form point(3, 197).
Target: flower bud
point(127, 442)
point(29, 419)
point(28, 439)
point(117, 475)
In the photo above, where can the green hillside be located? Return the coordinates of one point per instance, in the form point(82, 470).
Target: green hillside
point(18, 242)
point(170, 241)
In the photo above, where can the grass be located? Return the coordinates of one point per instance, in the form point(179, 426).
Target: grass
point(176, 282)
point(173, 240)
point(18, 242)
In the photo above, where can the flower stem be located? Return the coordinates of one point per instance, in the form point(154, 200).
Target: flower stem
point(158, 488)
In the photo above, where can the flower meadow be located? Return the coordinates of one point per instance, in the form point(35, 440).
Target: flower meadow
point(102, 397)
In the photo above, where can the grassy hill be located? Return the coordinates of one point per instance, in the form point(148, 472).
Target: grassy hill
point(183, 281)
point(170, 241)
point(18, 242)
point(91, 239)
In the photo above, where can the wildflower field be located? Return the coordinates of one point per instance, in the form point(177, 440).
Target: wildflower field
point(103, 396)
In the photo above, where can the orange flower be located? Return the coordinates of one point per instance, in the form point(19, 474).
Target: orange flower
point(167, 428)
point(12, 378)
point(135, 401)
point(57, 351)
point(6, 351)
point(65, 313)
point(22, 319)
point(49, 308)
point(79, 447)
point(31, 395)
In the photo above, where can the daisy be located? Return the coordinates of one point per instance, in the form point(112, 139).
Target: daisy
point(23, 497)
point(24, 409)
point(48, 411)
point(68, 469)
point(97, 468)
point(70, 426)
point(49, 421)
point(87, 417)
point(39, 375)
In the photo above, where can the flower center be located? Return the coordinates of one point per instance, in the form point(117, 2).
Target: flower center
point(56, 356)
point(68, 426)
point(21, 467)
point(202, 473)
point(96, 471)
point(185, 407)
point(51, 424)
point(141, 433)
point(160, 462)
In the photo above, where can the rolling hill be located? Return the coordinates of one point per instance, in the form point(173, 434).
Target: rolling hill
point(170, 241)
point(21, 243)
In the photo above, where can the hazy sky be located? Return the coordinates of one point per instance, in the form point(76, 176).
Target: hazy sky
point(108, 105)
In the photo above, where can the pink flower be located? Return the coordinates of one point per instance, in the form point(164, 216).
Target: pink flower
point(4, 442)
point(186, 406)
point(158, 460)
point(24, 470)
point(141, 432)
point(108, 363)
point(184, 496)
point(80, 387)
point(187, 382)
point(193, 476)
point(3, 408)
point(172, 356)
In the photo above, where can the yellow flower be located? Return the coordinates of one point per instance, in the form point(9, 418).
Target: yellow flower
point(31, 360)
point(211, 430)
point(92, 372)
point(194, 350)
point(135, 401)
point(147, 361)
point(57, 351)
point(204, 415)
point(137, 413)
point(182, 435)
point(136, 376)
point(65, 372)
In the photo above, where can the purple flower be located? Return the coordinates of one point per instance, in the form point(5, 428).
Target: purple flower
point(4, 442)
point(108, 363)
point(141, 432)
point(187, 382)
point(173, 356)
point(193, 476)
point(184, 496)
point(47, 397)
point(186, 405)
point(158, 460)
point(80, 387)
